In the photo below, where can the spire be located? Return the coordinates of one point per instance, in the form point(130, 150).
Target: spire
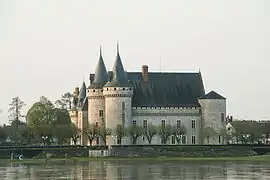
point(82, 94)
point(101, 75)
point(119, 74)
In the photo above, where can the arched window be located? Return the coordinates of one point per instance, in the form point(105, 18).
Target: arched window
point(123, 113)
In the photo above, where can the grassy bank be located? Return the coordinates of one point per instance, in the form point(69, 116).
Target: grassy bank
point(86, 159)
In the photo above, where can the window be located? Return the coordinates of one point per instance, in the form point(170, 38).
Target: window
point(219, 139)
point(193, 124)
point(101, 113)
point(123, 114)
point(184, 139)
point(143, 138)
point(178, 124)
point(118, 141)
point(134, 122)
point(97, 141)
point(193, 140)
point(145, 124)
point(222, 117)
point(173, 139)
point(124, 88)
point(163, 141)
point(96, 124)
point(163, 123)
point(114, 88)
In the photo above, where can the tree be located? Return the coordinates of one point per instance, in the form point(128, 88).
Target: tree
point(103, 132)
point(91, 132)
point(208, 133)
point(150, 132)
point(120, 132)
point(134, 132)
point(165, 132)
point(65, 102)
point(224, 134)
point(75, 134)
point(3, 134)
point(178, 132)
point(15, 109)
point(62, 132)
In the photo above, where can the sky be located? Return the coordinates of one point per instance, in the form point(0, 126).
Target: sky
point(48, 47)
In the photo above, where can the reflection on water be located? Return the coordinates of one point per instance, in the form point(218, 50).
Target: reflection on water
point(133, 170)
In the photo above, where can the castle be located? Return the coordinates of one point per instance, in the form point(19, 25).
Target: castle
point(125, 98)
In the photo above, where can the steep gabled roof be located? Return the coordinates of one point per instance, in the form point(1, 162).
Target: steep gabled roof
point(212, 95)
point(101, 75)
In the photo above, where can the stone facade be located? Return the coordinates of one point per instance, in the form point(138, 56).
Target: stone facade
point(125, 98)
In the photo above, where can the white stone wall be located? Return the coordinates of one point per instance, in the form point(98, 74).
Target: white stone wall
point(154, 116)
point(96, 102)
point(212, 110)
point(114, 97)
point(82, 123)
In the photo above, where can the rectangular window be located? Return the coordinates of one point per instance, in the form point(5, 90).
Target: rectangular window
point(101, 113)
point(123, 113)
point(134, 122)
point(193, 124)
point(178, 124)
point(193, 140)
point(219, 139)
point(184, 139)
point(222, 116)
point(173, 139)
point(145, 124)
point(96, 124)
point(97, 141)
point(118, 141)
point(163, 123)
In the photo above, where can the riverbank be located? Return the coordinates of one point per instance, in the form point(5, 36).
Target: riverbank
point(86, 159)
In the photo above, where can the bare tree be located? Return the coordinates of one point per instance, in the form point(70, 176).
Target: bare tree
point(120, 132)
point(134, 132)
point(208, 133)
point(178, 132)
point(149, 132)
point(75, 134)
point(165, 132)
point(91, 132)
point(103, 132)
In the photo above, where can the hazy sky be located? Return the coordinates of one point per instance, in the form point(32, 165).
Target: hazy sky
point(48, 46)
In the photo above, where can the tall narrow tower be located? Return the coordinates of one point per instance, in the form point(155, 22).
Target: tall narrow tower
point(118, 93)
point(96, 101)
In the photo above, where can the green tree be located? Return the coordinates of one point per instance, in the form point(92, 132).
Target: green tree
point(120, 133)
point(208, 133)
point(3, 134)
point(65, 102)
point(15, 109)
point(134, 132)
point(75, 134)
point(103, 132)
point(91, 132)
point(165, 132)
point(63, 133)
point(149, 132)
point(178, 132)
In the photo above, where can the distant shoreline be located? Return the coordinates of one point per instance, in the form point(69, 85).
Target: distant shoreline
point(89, 159)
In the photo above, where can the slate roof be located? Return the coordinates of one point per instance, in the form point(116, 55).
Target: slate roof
point(101, 76)
point(119, 78)
point(82, 94)
point(212, 95)
point(166, 89)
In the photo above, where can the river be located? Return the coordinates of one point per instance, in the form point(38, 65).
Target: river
point(138, 170)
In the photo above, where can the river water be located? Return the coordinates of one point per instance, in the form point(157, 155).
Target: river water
point(138, 170)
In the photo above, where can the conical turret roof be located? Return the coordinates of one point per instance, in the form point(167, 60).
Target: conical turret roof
point(119, 74)
point(101, 75)
point(82, 94)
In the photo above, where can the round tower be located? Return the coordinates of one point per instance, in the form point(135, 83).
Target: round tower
point(118, 94)
point(213, 114)
point(96, 101)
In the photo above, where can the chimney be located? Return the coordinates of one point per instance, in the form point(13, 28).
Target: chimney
point(110, 76)
point(145, 73)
